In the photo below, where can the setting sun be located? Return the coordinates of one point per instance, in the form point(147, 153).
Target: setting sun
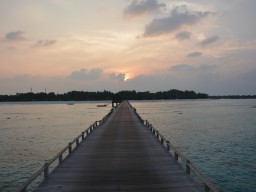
point(127, 76)
point(148, 44)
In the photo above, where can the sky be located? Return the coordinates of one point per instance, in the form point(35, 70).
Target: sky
point(208, 46)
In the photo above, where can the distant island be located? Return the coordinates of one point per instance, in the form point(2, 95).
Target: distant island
point(107, 95)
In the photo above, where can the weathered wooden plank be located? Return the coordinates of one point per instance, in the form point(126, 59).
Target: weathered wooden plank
point(120, 155)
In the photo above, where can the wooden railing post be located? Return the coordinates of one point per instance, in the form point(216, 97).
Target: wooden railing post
point(46, 170)
point(162, 140)
point(168, 146)
point(60, 159)
point(157, 134)
point(187, 166)
point(83, 135)
point(70, 148)
point(176, 156)
point(24, 190)
point(206, 188)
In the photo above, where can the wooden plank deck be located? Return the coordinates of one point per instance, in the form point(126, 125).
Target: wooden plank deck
point(120, 155)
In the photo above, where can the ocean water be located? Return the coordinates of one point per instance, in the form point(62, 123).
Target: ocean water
point(218, 136)
point(31, 133)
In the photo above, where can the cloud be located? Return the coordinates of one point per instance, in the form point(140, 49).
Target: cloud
point(209, 40)
point(15, 36)
point(189, 68)
point(181, 67)
point(179, 16)
point(183, 35)
point(196, 79)
point(141, 7)
point(44, 43)
point(85, 75)
point(194, 54)
point(238, 19)
point(118, 76)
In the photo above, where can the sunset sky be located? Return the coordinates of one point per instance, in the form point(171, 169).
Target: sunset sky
point(207, 46)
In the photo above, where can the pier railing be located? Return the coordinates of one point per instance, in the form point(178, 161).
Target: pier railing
point(207, 185)
point(59, 158)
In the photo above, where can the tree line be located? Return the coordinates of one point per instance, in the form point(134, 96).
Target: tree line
point(102, 95)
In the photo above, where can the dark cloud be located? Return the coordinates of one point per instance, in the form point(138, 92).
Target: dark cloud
point(140, 7)
point(44, 43)
point(183, 35)
point(189, 68)
point(85, 75)
point(118, 76)
point(209, 40)
point(194, 54)
point(15, 36)
point(178, 17)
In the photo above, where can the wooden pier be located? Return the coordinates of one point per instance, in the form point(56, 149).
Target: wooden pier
point(122, 153)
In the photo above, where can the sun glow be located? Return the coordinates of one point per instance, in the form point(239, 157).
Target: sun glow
point(127, 76)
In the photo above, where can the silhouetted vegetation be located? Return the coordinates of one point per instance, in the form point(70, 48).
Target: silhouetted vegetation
point(107, 95)
point(103, 95)
point(233, 97)
point(171, 94)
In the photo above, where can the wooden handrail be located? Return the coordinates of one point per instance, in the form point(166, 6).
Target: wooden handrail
point(208, 186)
point(45, 167)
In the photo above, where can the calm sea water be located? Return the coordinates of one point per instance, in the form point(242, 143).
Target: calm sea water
point(31, 133)
point(218, 136)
